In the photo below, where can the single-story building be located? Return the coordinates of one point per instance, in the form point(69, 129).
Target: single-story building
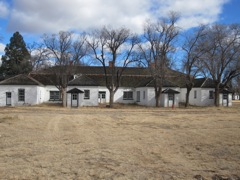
point(87, 87)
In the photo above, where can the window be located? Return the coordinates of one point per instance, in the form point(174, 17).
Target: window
point(21, 94)
point(86, 94)
point(128, 95)
point(144, 94)
point(225, 96)
point(138, 96)
point(54, 96)
point(195, 94)
point(74, 96)
point(170, 97)
point(211, 95)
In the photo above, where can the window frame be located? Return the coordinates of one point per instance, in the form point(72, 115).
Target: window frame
point(195, 94)
point(86, 94)
point(138, 96)
point(127, 95)
point(21, 95)
point(211, 94)
point(54, 97)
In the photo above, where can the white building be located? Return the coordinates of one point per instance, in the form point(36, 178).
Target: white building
point(87, 88)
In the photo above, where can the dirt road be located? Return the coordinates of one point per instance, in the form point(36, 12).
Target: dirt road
point(123, 143)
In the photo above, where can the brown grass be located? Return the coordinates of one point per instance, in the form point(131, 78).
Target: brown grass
point(126, 142)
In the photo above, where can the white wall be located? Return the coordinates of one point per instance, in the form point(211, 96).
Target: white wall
point(32, 95)
point(202, 98)
point(229, 99)
point(46, 93)
point(118, 97)
point(150, 97)
point(143, 100)
point(92, 101)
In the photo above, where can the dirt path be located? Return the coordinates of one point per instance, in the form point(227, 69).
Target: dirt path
point(135, 143)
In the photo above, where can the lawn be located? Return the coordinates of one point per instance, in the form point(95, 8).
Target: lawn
point(127, 142)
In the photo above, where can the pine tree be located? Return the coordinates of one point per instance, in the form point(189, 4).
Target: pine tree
point(16, 59)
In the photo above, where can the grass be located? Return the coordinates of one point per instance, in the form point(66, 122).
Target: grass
point(127, 142)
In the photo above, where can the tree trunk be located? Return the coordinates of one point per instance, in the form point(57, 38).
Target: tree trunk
point(158, 91)
point(187, 95)
point(64, 97)
point(158, 100)
point(216, 99)
point(111, 98)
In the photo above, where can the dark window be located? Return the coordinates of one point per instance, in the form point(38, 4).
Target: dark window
point(86, 94)
point(74, 96)
point(54, 96)
point(195, 94)
point(21, 94)
point(9, 95)
point(128, 95)
point(225, 96)
point(211, 94)
point(170, 97)
point(138, 96)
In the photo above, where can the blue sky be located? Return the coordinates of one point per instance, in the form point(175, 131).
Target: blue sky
point(32, 18)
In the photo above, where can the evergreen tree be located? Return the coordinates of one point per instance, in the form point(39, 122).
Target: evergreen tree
point(16, 59)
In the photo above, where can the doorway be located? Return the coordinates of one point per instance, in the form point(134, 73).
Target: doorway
point(102, 97)
point(170, 100)
point(8, 98)
point(225, 100)
point(74, 100)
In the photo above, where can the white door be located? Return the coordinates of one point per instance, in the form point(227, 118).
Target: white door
point(102, 97)
point(74, 100)
point(170, 100)
point(225, 99)
point(8, 98)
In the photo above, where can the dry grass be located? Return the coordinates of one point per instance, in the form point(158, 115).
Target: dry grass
point(127, 142)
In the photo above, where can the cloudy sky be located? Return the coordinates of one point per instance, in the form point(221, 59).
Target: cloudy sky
point(32, 18)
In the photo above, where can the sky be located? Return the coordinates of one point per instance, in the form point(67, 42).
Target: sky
point(33, 18)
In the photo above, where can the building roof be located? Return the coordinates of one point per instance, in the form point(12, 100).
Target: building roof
point(21, 79)
point(83, 80)
point(170, 91)
point(225, 91)
point(149, 82)
point(75, 90)
point(204, 83)
point(94, 76)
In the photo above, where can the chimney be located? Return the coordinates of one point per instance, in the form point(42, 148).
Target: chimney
point(110, 64)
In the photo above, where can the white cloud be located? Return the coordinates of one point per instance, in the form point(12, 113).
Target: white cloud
point(4, 9)
point(2, 47)
point(52, 16)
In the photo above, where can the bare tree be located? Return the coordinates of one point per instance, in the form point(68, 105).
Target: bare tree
point(192, 53)
point(39, 55)
point(114, 50)
point(159, 39)
point(222, 52)
point(65, 53)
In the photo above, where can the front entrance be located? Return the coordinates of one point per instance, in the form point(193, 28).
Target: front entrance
point(102, 97)
point(8, 98)
point(225, 100)
point(170, 100)
point(74, 100)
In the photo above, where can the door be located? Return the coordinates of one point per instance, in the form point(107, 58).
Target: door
point(138, 96)
point(74, 100)
point(8, 98)
point(225, 99)
point(102, 97)
point(170, 100)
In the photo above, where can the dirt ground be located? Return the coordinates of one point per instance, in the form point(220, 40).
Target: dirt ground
point(126, 142)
